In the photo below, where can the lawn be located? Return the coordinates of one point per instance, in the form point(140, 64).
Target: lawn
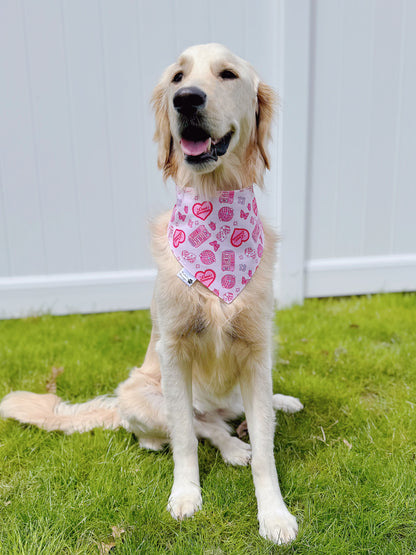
point(347, 462)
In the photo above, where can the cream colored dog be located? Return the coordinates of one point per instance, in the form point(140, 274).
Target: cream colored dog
point(207, 361)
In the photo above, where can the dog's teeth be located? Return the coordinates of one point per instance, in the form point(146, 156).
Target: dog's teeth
point(209, 144)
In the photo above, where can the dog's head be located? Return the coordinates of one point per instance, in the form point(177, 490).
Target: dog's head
point(213, 118)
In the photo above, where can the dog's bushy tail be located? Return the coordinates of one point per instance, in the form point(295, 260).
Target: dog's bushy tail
point(49, 412)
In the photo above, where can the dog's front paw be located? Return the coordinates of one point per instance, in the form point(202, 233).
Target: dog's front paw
point(236, 452)
point(185, 502)
point(279, 526)
point(286, 403)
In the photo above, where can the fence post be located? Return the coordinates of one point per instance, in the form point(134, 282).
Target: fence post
point(295, 34)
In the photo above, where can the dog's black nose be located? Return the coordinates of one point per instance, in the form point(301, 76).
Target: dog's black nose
point(188, 100)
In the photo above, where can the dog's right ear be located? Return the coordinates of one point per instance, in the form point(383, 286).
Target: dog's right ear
point(162, 133)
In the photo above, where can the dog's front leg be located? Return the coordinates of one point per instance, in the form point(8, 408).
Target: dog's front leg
point(276, 522)
point(185, 498)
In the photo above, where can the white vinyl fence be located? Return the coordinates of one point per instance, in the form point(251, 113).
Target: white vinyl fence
point(78, 176)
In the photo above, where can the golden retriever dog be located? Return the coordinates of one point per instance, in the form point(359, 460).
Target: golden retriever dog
point(210, 355)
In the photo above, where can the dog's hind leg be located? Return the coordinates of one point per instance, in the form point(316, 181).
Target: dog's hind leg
point(286, 403)
point(212, 427)
point(141, 401)
point(143, 410)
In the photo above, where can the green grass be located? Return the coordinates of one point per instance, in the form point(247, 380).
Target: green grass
point(347, 463)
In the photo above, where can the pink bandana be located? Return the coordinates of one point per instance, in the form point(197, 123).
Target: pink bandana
point(219, 241)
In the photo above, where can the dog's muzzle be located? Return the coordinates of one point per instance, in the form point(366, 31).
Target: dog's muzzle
point(196, 142)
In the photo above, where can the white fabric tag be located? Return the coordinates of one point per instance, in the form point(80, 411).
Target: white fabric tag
point(186, 277)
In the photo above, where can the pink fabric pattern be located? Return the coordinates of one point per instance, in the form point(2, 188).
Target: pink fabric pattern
point(218, 240)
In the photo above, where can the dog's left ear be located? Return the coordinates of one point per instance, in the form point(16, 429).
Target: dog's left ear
point(162, 133)
point(266, 103)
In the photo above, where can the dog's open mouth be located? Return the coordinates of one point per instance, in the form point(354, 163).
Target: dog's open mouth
point(199, 147)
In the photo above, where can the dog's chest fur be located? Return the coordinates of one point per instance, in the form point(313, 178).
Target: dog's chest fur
point(217, 337)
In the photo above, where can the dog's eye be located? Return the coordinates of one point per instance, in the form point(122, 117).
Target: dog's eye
point(177, 77)
point(228, 74)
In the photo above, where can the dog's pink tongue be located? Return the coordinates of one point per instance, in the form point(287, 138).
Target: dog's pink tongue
point(194, 148)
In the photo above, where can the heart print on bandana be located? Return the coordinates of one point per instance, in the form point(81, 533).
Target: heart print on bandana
point(202, 210)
